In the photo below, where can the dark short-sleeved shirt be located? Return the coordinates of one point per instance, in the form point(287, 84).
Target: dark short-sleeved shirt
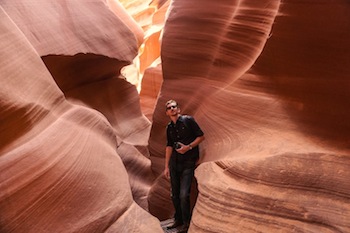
point(186, 130)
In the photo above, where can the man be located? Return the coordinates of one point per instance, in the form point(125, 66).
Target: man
point(181, 155)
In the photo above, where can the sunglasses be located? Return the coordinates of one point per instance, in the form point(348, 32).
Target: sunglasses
point(171, 107)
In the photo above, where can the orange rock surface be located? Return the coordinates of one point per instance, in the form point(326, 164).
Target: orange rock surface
point(81, 150)
point(69, 159)
point(268, 81)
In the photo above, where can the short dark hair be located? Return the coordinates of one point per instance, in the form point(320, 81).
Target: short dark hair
point(170, 102)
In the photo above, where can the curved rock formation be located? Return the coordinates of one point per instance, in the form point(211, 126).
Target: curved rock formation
point(62, 162)
point(268, 82)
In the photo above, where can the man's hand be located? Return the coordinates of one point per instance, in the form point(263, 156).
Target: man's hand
point(166, 173)
point(183, 148)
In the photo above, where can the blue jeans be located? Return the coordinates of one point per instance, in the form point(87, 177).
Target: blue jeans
point(181, 176)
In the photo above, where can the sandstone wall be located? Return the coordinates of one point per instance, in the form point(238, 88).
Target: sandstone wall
point(73, 142)
point(268, 82)
point(82, 151)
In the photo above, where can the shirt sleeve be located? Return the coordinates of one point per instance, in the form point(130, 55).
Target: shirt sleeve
point(168, 137)
point(195, 127)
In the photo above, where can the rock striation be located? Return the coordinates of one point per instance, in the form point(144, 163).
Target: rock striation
point(69, 160)
point(268, 82)
point(82, 151)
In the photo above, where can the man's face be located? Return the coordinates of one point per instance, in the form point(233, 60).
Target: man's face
point(172, 109)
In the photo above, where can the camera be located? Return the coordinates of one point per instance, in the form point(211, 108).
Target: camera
point(177, 145)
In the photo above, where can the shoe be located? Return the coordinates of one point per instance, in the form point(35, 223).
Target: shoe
point(175, 224)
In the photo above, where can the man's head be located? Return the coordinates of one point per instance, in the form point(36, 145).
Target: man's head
point(171, 108)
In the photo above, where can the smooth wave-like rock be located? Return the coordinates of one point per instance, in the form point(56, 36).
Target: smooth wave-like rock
point(61, 161)
point(200, 61)
point(267, 81)
point(73, 27)
point(83, 62)
point(265, 195)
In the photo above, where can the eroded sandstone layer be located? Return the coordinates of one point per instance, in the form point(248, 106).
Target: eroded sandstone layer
point(73, 142)
point(268, 81)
